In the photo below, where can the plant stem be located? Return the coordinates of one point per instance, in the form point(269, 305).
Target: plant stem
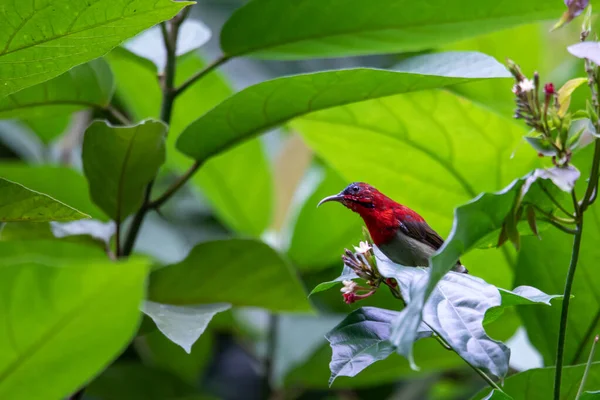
point(480, 372)
point(118, 239)
point(270, 355)
point(117, 115)
point(587, 368)
point(560, 348)
point(155, 204)
point(200, 74)
point(592, 188)
point(560, 226)
point(555, 202)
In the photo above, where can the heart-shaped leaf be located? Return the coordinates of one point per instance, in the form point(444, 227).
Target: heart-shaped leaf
point(182, 324)
point(120, 161)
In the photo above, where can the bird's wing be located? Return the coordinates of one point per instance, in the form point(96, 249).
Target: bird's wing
point(422, 232)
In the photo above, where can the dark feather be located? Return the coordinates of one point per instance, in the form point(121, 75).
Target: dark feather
point(422, 232)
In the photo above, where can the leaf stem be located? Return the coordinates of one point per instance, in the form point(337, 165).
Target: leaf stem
point(479, 371)
point(555, 202)
point(587, 368)
point(200, 74)
point(155, 204)
point(562, 333)
point(270, 355)
point(116, 114)
point(560, 226)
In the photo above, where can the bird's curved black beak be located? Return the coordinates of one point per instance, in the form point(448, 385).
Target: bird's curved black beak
point(335, 197)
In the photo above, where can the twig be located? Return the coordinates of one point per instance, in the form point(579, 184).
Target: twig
point(116, 114)
point(560, 226)
point(479, 371)
point(200, 74)
point(270, 355)
point(562, 333)
point(587, 368)
point(155, 204)
point(118, 239)
point(556, 202)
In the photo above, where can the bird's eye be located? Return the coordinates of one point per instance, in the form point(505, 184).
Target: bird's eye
point(355, 189)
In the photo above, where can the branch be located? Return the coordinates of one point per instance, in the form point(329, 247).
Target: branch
point(155, 204)
point(562, 333)
point(555, 202)
point(200, 74)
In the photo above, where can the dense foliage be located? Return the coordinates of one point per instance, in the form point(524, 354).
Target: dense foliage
point(157, 245)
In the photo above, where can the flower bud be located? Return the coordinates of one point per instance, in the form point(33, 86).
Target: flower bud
point(549, 89)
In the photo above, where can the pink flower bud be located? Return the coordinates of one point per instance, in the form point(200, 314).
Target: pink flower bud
point(349, 298)
point(549, 89)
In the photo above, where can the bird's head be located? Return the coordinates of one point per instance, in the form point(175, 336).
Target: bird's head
point(359, 197)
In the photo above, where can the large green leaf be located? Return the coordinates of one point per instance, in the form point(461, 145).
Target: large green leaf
point(221, 178)
point(86, 86)
point(17, 203)
point(67, 313)
point(132, 381)
point(237, 271)
point(155, 349)
point(42, 39)
point(430, 151)
point(538, 383)
point(120, 161)
point(61, 183)
point(267, 104)
point(328, 28)
point(320, 237)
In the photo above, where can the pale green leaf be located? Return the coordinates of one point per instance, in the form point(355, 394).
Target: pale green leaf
point(68, 313)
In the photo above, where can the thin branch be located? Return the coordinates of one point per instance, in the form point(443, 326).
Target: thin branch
point(118, 239)
point(592, 188)
point(560, 226)
point(586, 337)
point(562, 333)
point(556, 202)
point(116, 114)
point(155, 204)
point(587, 368)
point(270, 355)
point(200, 74)
point(446, 345)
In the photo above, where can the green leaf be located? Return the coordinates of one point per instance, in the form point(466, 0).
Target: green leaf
point(522, 295)
point(497, 395)
point(430, 151)
point(48, 128)
point(219, 179)
point(211, 273)
point(328, 28)
point(86, 86)
point(17, 203)
point(539, 383)
point(565, 92)
point(68, 313)
point(155, 349)
point(319, 237)
point(131, 381)
point(590, 395)
point(120, 161)
point(268, 104)
point(44, 39)
point(63, 184)
point(182, 324)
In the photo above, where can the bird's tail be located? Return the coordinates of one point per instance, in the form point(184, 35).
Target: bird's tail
point(460, 268)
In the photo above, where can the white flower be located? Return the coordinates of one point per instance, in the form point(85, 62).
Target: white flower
point(526, 85)
point(362, 248)
point(349, 287)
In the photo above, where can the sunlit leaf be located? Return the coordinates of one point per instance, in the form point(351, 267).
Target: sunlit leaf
point(67, 312)
point(565, 92)
point(328, 28)
point(44, 39)
point(120, 161)
point(18, 203)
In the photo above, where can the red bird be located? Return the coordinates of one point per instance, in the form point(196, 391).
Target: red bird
point(399, 232)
